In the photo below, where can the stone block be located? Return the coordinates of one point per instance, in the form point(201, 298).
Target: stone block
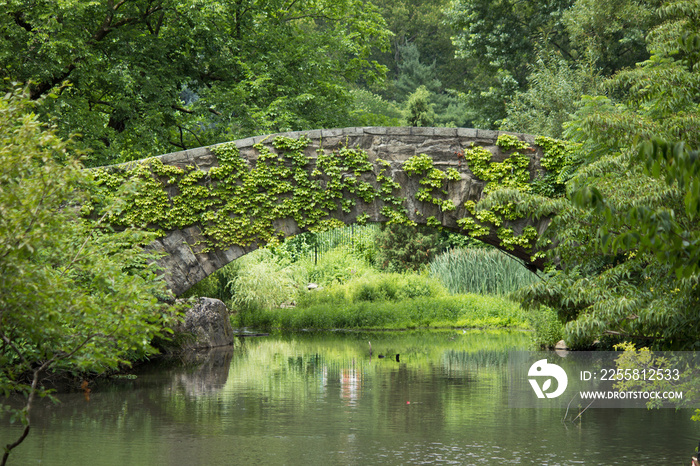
point(247, 142)
point(446, 132)
point(375, 130)
point(398, 131)
point(420, 131)
point(487, 134)
point(313, 134)
point(331, 133)
point(466, 132)
point(175, 158)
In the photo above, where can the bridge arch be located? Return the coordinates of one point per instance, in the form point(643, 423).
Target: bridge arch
point(432, 176)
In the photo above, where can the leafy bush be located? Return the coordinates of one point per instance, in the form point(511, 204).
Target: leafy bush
point(336, 266)
point(261, 281)
point(548, 329)
point(375, 287)
point(404, 248)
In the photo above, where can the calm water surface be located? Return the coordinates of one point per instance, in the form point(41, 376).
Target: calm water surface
point(320, 399)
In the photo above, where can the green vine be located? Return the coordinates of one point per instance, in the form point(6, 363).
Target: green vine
point(393, 209)
point(239, 202)
point(559, 159)
point(511, 176)
point(432, 180)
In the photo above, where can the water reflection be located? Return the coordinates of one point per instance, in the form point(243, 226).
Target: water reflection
point(321, 399)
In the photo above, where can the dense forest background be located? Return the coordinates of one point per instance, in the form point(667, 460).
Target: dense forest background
point(142, 77)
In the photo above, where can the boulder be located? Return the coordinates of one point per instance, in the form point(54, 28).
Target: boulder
point(208, 324)
point(561, 345)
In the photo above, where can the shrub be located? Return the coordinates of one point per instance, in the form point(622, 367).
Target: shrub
point(402, 248)
point(261, 281)
point(548, 329)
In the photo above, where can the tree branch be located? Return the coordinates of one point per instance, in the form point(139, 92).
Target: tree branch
point(11, 344)
point(182, 109)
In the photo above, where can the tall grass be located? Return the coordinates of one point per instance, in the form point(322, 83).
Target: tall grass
point(481, 271)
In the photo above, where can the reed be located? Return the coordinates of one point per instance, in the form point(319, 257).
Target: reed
point(481, 271)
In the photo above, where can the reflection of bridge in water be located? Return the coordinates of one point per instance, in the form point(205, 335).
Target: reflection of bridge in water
point(187, 260)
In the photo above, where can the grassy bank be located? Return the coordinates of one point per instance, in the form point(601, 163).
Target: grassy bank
point(463, 311)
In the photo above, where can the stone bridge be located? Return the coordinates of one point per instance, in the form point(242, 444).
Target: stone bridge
point(401, 192)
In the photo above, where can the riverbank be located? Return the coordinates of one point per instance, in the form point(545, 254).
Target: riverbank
point(458, 311)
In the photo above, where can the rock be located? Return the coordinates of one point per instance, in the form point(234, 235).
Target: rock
point(210, 376)
point(209, 325)
point(312, 286)
point(561, 345)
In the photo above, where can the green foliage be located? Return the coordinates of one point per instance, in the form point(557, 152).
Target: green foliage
point(75, 296)
point(144, 77)
point(513, 172)
point(628, 244)
point(419, 111)
point(236, 204)
point(432, 179)
point(481, 271)
point(555, 87)
point(261, 283)
point(336, 266)
point(613, 32)
point(260, 280)
point(532, 61)
point(670, 232)
point(371, 109)
point(547, 328)
point(437, 312)
point(420, 35)
point(273, 276)
point(358, 239)
point(369, 285)
point(403, 248)
point(499, 39)
point(509, 189)
point(633, 360)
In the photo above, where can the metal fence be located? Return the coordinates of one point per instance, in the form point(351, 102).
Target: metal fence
point(315, 245)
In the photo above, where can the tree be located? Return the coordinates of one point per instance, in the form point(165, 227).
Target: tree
point(500, 40)
point(629, 243)
point(418, 81)
point(75, 296)
point(611, 33)
point(420, 24)
point(555, 88)
point(401, 248)
point(141, 77)
point(512, 44)
point(419, 110)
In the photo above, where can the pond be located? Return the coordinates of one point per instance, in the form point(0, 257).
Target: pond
point(319, 398)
